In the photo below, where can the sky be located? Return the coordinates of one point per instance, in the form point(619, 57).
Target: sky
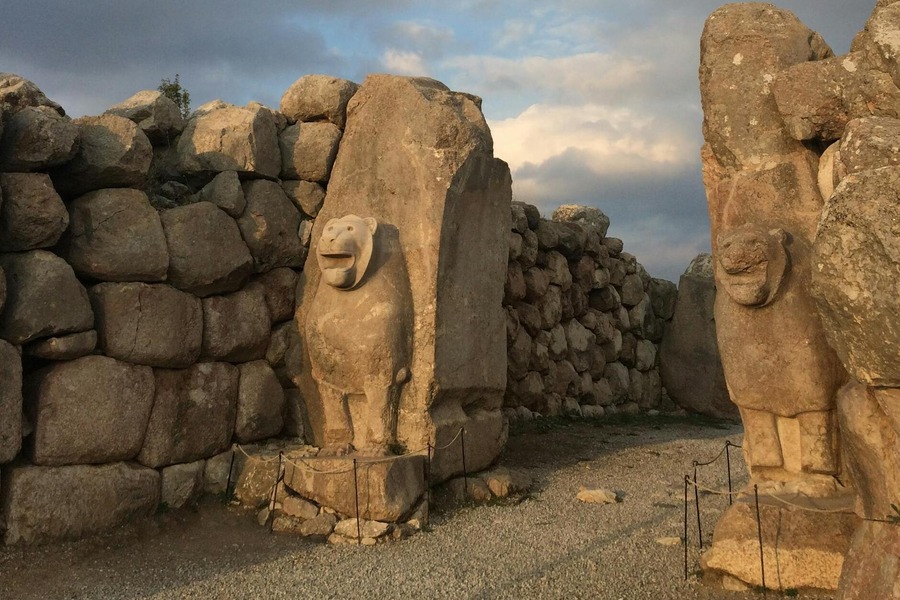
point(590, 102)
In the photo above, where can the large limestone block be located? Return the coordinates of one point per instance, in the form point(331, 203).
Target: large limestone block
point(308, 151)
point(32, 215)
point(589, 215)
point(317, 98)
point(878, 40)
point(206, 252)
point(156, 114)
point(690, 365)
point(857, 266)
point(742, 47)
point(867, 144)
point(801, 549)
point(42, 504)
point(43, 298)
point(280, 287)
point(193, 414)
point(872, 566)
point(145, 324)
point(181, 485)
point(225, 192)
point(269, 227)
point(90, 410)
point(308, 196)
point(37, 138)
point(116, 235)
point(388, 490)
point(417, 159)
point(10, 402)
point(113, 152)
point(17, 93)
point(64, 347)
point(818, 99)
point(231, 138)
point(260, 405)
point(236, 326)
point(872, 445)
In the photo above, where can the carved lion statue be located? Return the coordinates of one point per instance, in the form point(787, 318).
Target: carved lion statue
point(358, 333)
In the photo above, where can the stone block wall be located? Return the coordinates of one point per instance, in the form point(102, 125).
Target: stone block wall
point(584, 319)
point(148, 274)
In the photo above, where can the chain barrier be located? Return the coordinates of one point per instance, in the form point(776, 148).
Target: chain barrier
point(299, 463)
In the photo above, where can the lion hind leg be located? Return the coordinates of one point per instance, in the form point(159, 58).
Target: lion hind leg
point(818, 445)
point(338, 429)
point(380, 427)
point(762, 440)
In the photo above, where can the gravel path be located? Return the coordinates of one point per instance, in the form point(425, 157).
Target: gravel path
point(547, 546)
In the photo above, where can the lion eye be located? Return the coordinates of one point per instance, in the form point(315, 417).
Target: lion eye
point(349, 227)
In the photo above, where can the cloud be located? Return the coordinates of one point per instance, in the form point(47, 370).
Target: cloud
point(403, 63)
point(423, 37)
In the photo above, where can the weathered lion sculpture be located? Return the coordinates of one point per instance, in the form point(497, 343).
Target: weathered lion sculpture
point(358, 333)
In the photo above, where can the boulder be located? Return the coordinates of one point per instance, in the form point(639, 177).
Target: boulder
point(388, 490)
point(308, 196)
point(589, 215)
point(65, 347)
point(17, 93)
point(690, 365)
point(155, 113)
point(90, 410)
point(260, 405)
point(269, 227)
point(857, 266)
point(230, 138)
point(632, 290)
point(116, 235)
point(308, 151)
point(280, 286)
point(113, 152)
point(663, 296)
point(37, 138)
point(317, 98)
point(867, 144)
point(32, 215)
point(872, 565)
point(193, 414)
point(10, 402)
point(225, 191)
point(43, 298)
point(43, 504)
point(206, 252)
point(145, 324)
point(236, 326)
point(181, 485)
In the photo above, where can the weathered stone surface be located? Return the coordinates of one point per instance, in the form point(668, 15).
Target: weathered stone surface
point(206, 252)
point(308, 151)
point(857, 266)
point(351, 528)
point(17, 93)
point(280, 286)
point(156, 114)
point(690, 365)
point(230, 138)
point(43, 298)
point(388, 491)
point(817, 99)
point(154, 325)
point(663, 297)
point(867, 144)
point(181, 484)
point(42, 504)
point(37, 138)
point(590, 215)
point(807, 547)
point(66, 347)
point(32, 215)
point(308, 196)
point(225, 191)
point(596, 496)
point(269, 227)
point(113, 152)
point(503, 481)
point(90, 410)
point(236, 326)
point(743, 44)
point(260, 405)
point(872, 566)
point(116, 235)
point(193, 414)
point(10, 402)
point(318, 97)
point(418, 157)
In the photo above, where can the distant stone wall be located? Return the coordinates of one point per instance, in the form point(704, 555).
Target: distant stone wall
point(584, 319)
point(148, 267)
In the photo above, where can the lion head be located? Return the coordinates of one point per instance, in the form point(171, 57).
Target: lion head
point(344, 250)
point(751, 264)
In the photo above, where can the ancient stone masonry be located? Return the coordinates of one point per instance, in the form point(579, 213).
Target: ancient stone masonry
point(148, 272)
point(583, 318)
point(801, 177)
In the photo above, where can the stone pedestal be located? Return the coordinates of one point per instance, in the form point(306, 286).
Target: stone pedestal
point(802, 549)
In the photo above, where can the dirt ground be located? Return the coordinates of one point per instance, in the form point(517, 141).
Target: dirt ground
point(547, 545)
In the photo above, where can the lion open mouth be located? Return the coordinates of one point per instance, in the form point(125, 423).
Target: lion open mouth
point(337, 260)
